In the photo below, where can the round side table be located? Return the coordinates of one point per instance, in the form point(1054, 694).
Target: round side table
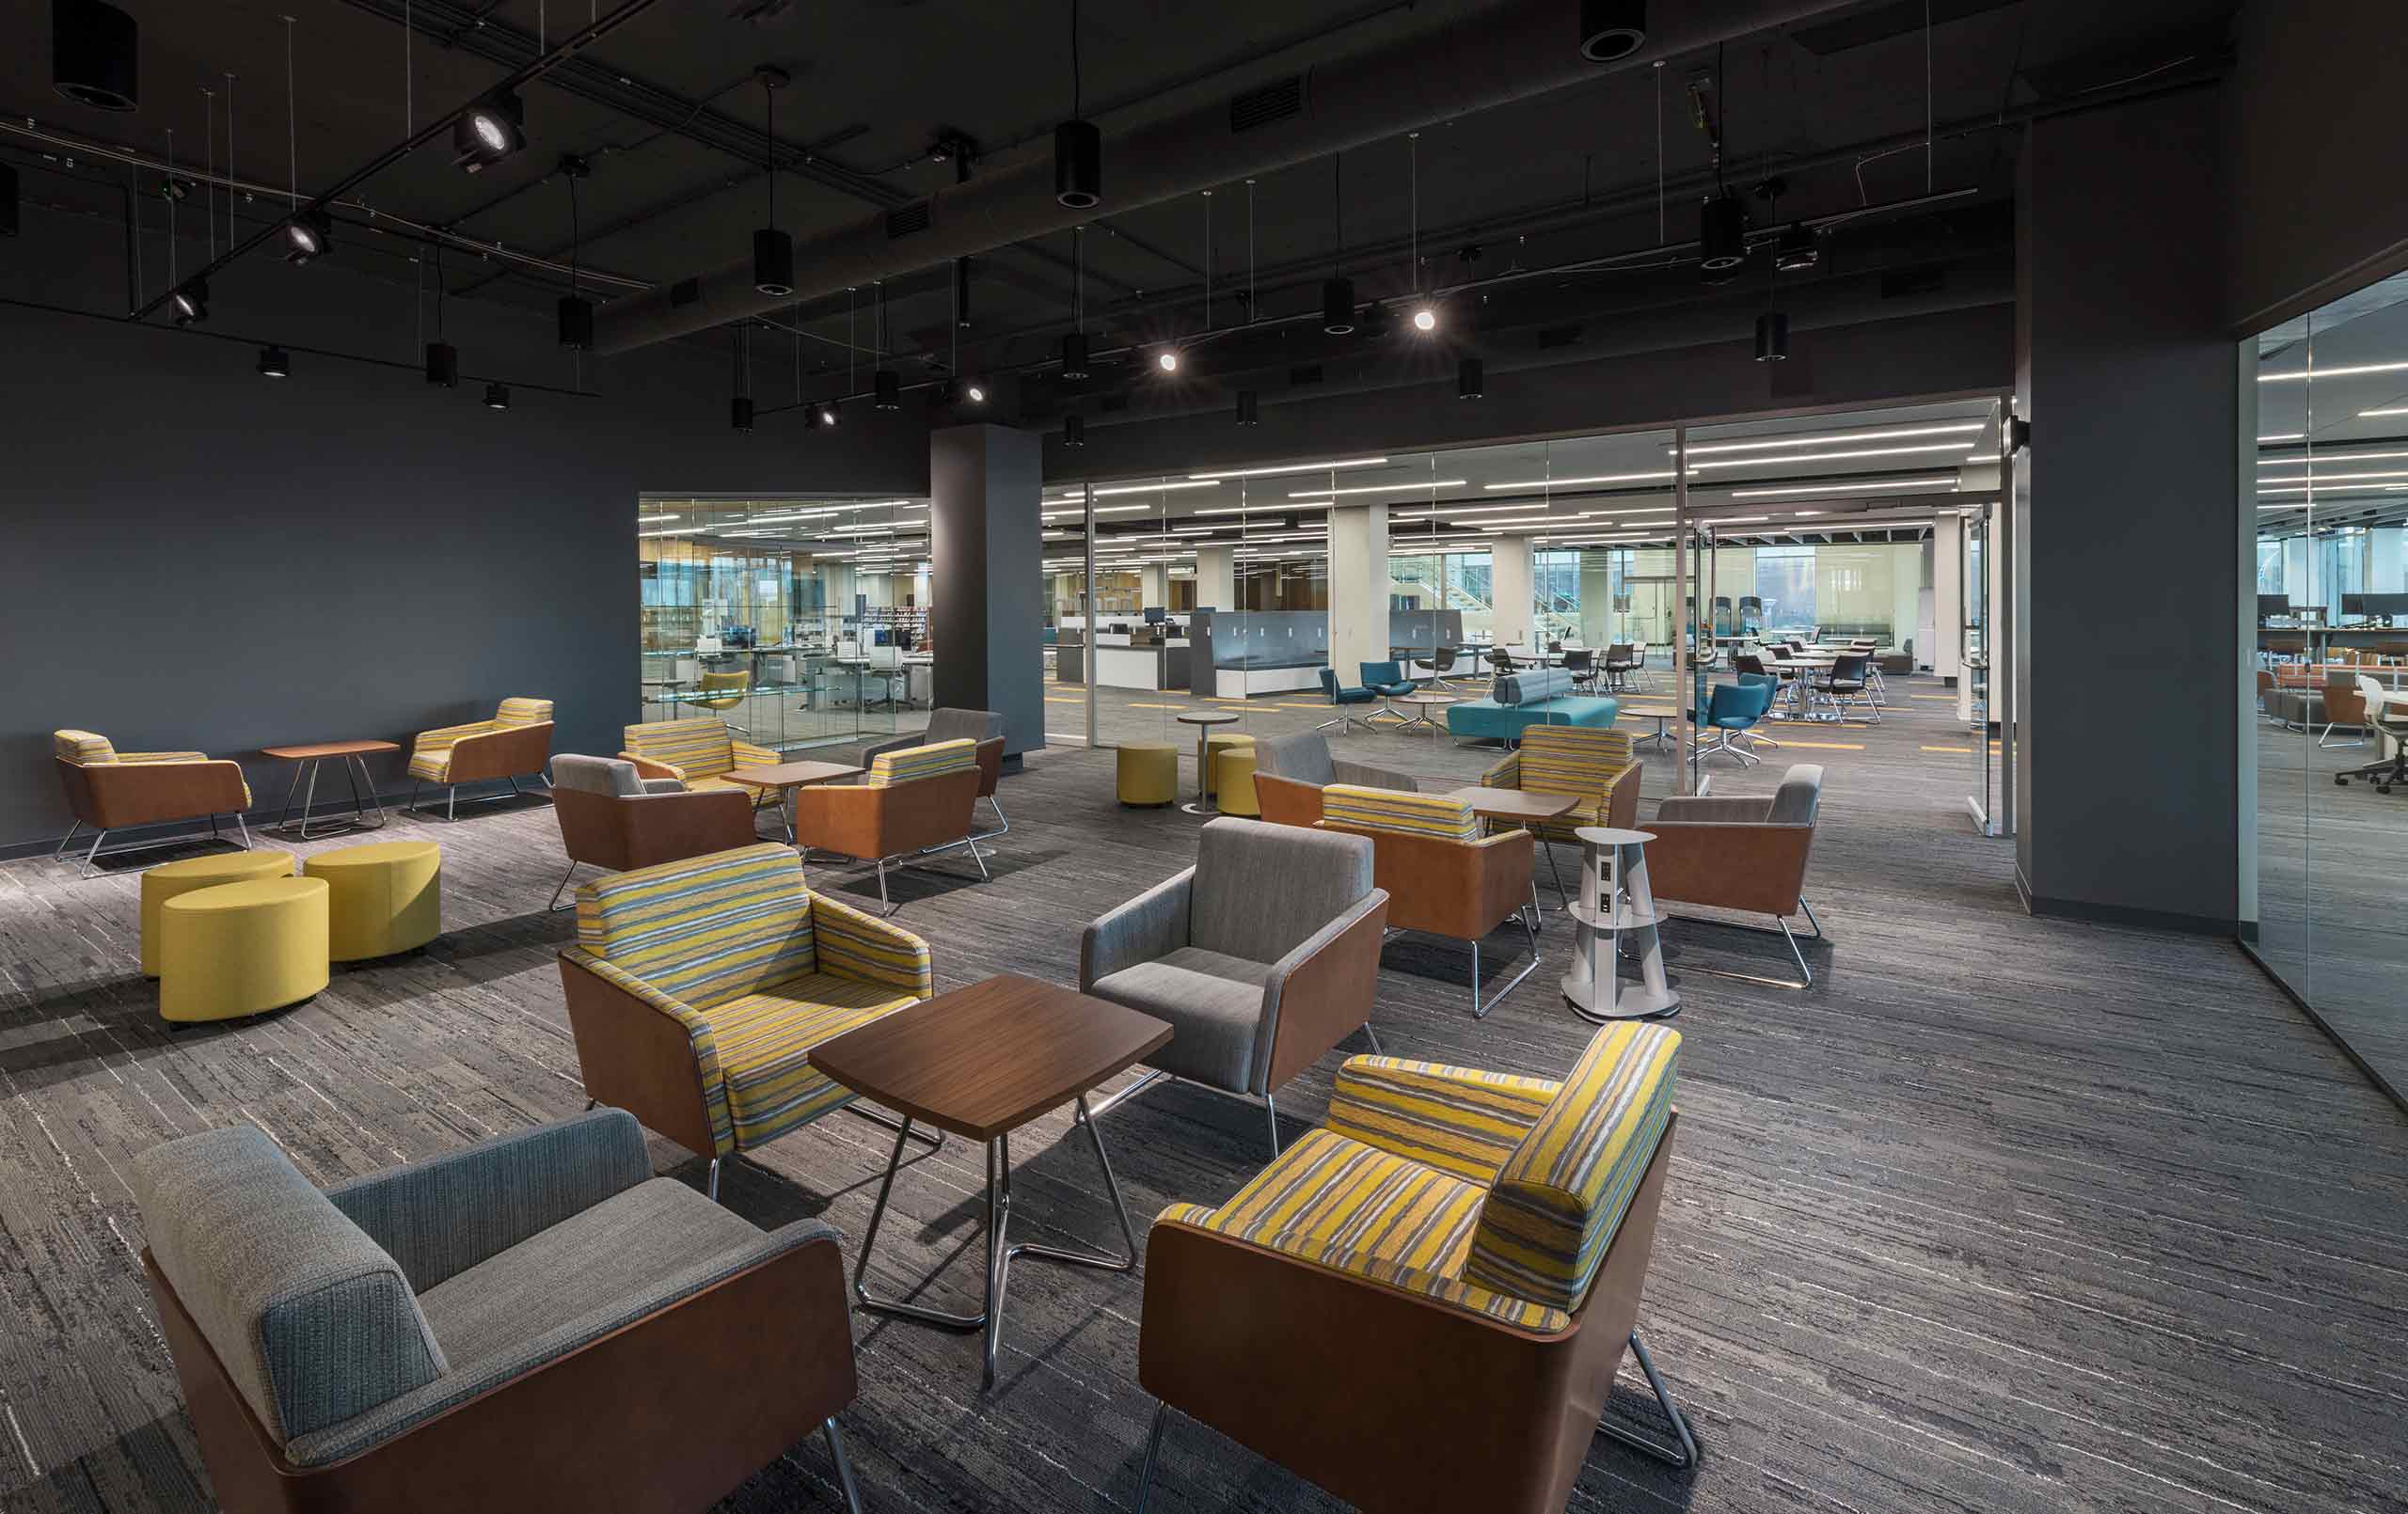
point(1204, 724)
point(1615, 898)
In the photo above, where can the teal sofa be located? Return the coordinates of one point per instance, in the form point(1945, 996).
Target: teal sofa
point(1542, 696)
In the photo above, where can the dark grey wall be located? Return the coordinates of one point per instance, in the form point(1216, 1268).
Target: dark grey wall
point(195, 556)
point(2312, 120)
point(2129, 797)
point(987, 577)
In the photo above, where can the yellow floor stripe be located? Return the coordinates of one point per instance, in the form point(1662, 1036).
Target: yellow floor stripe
point(1948, 749)
point(1948, 697)
point(1825, 745)
point(1136, 706)
point(1065, 702)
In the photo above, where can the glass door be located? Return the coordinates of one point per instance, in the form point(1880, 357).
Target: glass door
point(1975, 658)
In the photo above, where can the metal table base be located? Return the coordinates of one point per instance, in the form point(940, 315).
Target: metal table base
point(359, 805)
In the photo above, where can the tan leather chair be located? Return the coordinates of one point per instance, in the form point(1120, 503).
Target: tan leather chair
point(918, 799)
point(1741, 852)
point(108, 789)
point(613, 817)
point(1441, 875)
point(2343, 705)
point(948, 724)
point(519, 739)
point(1289, 772)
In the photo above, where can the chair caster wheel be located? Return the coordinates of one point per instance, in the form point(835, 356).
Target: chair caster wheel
point(2340, 782)
point(2382, 788)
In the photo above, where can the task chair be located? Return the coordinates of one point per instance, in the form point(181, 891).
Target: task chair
point(2389, 723)
point(1731, 711)
point(1386, 680)
point(1341, 696)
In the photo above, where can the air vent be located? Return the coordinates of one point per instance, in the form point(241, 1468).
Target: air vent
point(1566, 336)
point(1277, 100)
point(904, 221)
point(1880, 24)
point(1309, 373)
point(1902, 282)
point(685, 291)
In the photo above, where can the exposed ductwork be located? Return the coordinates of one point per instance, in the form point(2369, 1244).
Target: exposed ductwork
point(1505, 53)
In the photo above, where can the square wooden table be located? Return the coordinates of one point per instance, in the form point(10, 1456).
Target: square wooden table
point(786, 778)
point(981, 1062)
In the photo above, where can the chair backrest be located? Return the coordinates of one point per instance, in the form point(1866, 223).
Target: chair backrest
point(1573, 759)
point(314, 1322)
point(1442, 659)
point(727, 690)
point(1748, 662)
point(1356, 808)
point(1848, 667)
point(912, 764)
point(1329, 684)
point(596, 775)
point(1558, 1198)
point(516, 712)
point(2377, 710)
point(1576, 660)
point(1530, 685)
point(1500, 659)
point(1799, 798)
point(700, 745)
point(707, 929)
point(1303, 757)
point(1376, 673)
point(1732, 704)
point(83, 746)
point(947, 724)
point(1262, 890)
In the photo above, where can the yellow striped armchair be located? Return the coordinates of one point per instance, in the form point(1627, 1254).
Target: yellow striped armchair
point(698, 988)
point(698, 751)
point(519, 739)
point(1596, 766)
point(1467, 1247)
point(107, 789)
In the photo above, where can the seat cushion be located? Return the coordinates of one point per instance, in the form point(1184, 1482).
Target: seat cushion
point(592, 1260)
point(765, 1041)
point(1213, 1003)
point(1333, 1199)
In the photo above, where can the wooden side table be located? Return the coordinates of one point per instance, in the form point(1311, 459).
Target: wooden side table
point(353, 755)
point(1615, 898)
point(786, 778)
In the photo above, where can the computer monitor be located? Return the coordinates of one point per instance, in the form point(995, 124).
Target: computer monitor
point(2390, 606)
point(2271, 604)
point(1156, 615)
point(2355, 605)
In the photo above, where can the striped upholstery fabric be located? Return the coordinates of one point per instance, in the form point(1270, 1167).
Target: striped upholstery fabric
point(889, 768)
point(764, 1043)
point(1559, 1197)
point(697, 747)
point(706, 930)
point(1458, 1120)
point(523, 712)
point(698, 1033)
point(1562, 758)
point(1417, 815)
point(865, 948)
point(137, 758)
point(431, 755)
point(81, 746)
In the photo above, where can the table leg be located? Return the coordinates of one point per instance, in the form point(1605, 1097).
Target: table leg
point(359, 809)
point(1203, 804)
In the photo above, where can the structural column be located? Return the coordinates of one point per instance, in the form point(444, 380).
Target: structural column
point(1155, 591)
point(987, 591)
point(1216, 579)
point(1359, 588)
point(1508, 587)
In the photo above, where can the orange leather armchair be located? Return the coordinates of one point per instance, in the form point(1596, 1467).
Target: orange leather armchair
point(916, 801)
point(1441, 877)
point(1743, 852)
point(612, 818)
point(108, 789)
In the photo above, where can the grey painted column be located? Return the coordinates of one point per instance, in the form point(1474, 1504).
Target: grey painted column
point(987, 590)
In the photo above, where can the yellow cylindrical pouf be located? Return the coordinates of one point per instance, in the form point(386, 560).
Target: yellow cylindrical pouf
point(1213, 746)
point(387, 897)
point(1234, 770)
point(1149, 774)
point(242, 947)
point(168, 880)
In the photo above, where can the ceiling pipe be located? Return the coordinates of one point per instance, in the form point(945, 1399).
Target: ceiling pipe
point(1496, 56)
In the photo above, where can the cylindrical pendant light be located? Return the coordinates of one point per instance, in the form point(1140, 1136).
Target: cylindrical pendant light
point(575, 322)
point(275, 362)
point(497, 396)
point(774, 262)
point(1249, 408)
point(888, 389)
point(1078, 165)
point(1338, 306)
point(442, 365)
point(1721, 232)
point(1470, 379)
point(740, 413)
point(1074, 356)
point(1772, 336)
point(1074, 430)
point(1612, 30)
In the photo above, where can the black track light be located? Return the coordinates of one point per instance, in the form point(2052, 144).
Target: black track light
point(1797, 250)
point(1338, 306)
point(887, 390)
point(307, 235)
point(190, 302)
point(774, 262)
point(575, 322)
point(1078, 165)
point(1074, 356)
point(740, 413)
point(92, 53)
point(7, 200)
point(1721, 232)
point(1471, 379)
point(443, 365)
point(489, 131)
point(275, 362)
point(1249, 408)
point(1074, 430)
point(497, 396)
point(1772, 336)
point(1612, 30)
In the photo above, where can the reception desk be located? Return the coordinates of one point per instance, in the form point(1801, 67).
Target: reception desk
point(1150, 668)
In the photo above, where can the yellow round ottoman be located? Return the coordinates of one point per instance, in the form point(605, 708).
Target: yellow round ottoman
point(387, 897)
point(168, 880)
point(1149, 774)
point(241, 949)
point(1234, 771)
point(1213, 746)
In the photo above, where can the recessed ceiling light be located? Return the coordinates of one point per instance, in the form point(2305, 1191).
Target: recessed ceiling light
point(2301, 435)
point(1378, 488)
point(1567, 484)
point(1940, 483)
point(1425, 318)
point(1168, 359)
point(1787, 458)
point(1291, 468)
point(1821, 438)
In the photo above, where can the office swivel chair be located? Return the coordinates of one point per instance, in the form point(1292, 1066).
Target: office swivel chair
point(2389, 723)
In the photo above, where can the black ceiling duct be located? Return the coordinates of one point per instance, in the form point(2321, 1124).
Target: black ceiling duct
point(443, 365)
point(1078, 165)
point(1074, 356)
point(1611, 29)
point(1470, 376)
point(1721, 232)
point(92, 53)
point(1338, 306)
point(575, 322)
point(1074, 432)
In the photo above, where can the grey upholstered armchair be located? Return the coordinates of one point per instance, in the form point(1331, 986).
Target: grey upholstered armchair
point(1263, 956)
point(945, 724)
point(1300, 766)
point(533, 1323)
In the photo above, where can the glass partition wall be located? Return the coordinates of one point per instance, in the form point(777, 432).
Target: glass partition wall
point(2325, 826)
point(799, 620)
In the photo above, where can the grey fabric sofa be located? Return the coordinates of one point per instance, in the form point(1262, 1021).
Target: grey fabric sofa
point(1263, 956)
point(534, 1321)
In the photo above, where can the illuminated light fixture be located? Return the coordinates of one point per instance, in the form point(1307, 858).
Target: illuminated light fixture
point(2348, 371)
point(655, 520)
point(828, 415)
point(740, 413)
point(1156, 488)
point(1379, 488)
point(976, 393)
point(442, 365)
point(1983, 457)
point(1425, 318)
point(1074, 356)
point(1721, 232)
point(1796, 251)
point(1739, 520)
point(1074, 432)
point(1772, 336)
point(275, 362)
point(1444, 512)
point(1263, 510)
point(1338, 306)
point(2320, 479)
point(307, 235)
point(1886, 434)
point(1291, 467)
point(1939, 482)
point(2320, 458)
point(1828, 457)
point(489, 131)
point(1249, 408)
point(1802, 515)
point(93, 54)
point(190, 302)
point(1664, 477)
point(887, 390)
point(1167, 360)
point(2301, 435)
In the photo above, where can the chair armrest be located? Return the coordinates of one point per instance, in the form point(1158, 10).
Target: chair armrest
point(659, 1299)
point(137, 758)
point(852, 944)
point(1737, 809)
point(646, 1052)
point(1152, 924)
point(871, 754)
point(443, 737)
point(1621, 806)
point(500, 752)
point(651, 767)
point(1320, 992)
point(135, 794)
point(1504, 775)
point(745, 751)
point(440, 1217)
point(1367, 776)
point(680, 823)
point(1460, 1120)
